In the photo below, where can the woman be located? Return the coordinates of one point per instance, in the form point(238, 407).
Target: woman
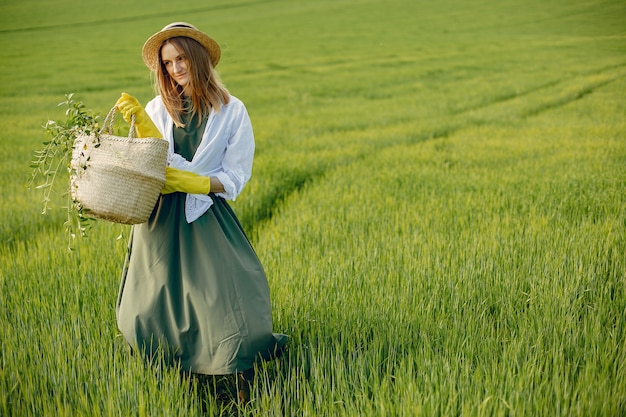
point(192, 287)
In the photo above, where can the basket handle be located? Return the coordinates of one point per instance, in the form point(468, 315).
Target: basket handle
point(107, 125)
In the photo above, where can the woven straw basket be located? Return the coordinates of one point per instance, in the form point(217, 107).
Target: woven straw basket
point(116, 178)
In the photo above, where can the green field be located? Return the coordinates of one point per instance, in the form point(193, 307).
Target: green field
point(438, 198)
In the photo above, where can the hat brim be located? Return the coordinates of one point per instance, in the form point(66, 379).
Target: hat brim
point(152, 47)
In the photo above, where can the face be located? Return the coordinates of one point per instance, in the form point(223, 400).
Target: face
point(176, 64)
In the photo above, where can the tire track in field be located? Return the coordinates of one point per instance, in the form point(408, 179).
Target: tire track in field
point(474, 116)
point(532, 103)
point(581, 92)
point(101, 22)
point(536, 89)
point(568, 90)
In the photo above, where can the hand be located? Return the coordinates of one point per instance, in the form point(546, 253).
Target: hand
point(129, 106)
point(177, 180)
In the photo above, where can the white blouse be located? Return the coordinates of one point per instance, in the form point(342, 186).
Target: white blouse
point(226, 151)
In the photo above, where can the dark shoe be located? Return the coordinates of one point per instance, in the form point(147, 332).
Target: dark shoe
point(245, 381)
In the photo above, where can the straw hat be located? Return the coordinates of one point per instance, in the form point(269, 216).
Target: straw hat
point(152, 47)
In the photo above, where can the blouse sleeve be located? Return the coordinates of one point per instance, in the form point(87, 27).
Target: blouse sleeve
point(238, 155)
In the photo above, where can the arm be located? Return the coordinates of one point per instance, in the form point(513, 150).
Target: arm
point(235, 165)
point(216, 185)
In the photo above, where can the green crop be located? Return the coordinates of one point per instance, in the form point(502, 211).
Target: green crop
point(438, 199)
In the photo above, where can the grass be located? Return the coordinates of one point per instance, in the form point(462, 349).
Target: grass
point(438, 199)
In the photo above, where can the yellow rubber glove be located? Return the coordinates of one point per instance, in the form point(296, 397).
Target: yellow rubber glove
point(128, 105)
point(177, 180)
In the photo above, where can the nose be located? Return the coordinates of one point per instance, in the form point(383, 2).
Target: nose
point(178, 66)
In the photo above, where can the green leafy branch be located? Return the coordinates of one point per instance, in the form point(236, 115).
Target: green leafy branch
point(53, 160)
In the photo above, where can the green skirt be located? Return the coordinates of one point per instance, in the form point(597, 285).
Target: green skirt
point(196, 293)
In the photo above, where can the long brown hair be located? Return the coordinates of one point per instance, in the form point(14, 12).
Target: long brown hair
point(205, 87)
